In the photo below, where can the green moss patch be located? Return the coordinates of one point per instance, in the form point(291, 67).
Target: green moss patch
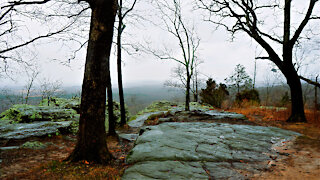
point(33, 145)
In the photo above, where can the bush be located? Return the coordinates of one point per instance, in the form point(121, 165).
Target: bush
point(251, 96)
point(214, 94)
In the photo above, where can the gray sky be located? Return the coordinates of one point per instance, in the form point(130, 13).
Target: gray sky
point(219, 54)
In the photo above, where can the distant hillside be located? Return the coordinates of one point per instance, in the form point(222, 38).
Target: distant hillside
point(139, 97)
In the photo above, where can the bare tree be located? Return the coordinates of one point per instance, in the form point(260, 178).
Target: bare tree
point(30, 83)
point(122, 13)
point(49, 88)
point(91, 144)
point(188, 41)
point(244, 16)
point(178, 80)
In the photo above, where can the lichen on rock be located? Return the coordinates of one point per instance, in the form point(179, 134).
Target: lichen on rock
point(33, 145)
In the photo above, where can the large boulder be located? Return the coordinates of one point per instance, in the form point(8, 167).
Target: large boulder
point(23, 113)
point(34, 129)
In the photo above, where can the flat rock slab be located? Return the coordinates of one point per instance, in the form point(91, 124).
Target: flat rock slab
point(138, 122)
point(225, 115)
point(199, 150)
point(25, 130)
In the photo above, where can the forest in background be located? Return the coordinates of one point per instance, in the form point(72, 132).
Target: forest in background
point(137, 98)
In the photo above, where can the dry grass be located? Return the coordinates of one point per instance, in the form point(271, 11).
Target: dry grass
point(272, 116)
point(276, 114)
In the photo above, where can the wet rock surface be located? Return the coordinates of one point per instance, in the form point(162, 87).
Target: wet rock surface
point(138, 122)
point(201, 150)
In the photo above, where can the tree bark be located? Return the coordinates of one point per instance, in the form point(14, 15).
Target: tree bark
point(120, 85)
point(92, 143)
point(297, 108)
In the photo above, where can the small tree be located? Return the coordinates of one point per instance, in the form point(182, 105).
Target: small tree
point(186, 37)
point(213, 94)
point(179, 81)
point(49, 88)
point(239, 79)
point(31, 78)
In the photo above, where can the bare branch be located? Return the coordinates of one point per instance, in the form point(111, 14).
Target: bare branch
point(34, 39)
point(130, 9)
point(20, 2)
point(303, 23)
point(309, 81)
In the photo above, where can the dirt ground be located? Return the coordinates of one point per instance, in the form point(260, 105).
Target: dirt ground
point(302, 157)
point(48, 163)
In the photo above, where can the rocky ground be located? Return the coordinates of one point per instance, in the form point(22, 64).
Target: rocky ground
point(201, 144)
point(204, 145)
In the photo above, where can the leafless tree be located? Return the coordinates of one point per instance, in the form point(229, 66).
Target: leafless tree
point(30, 83)
point(122, 13)
point(246, 16)
point(174, 23)
point(91, 144)
point(178, 80)
point(49, 88)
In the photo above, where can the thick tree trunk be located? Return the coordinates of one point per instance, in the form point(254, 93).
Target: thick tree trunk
point(293, 80)
point(120, 85)
point(92, 144)
point(187, 105)
point(297, 108)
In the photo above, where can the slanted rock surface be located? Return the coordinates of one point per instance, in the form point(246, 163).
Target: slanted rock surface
point(200, 150)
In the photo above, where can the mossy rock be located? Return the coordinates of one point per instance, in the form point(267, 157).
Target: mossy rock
point(28, 113)
point(158, 106)
point(73, 103)
point(33, 145)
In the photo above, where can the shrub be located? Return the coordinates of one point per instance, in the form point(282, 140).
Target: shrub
point(214, 94)
point(251, 96)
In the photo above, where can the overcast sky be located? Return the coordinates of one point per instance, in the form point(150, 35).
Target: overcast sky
point(219, 54)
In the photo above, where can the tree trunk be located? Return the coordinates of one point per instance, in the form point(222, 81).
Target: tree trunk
point(112, 120)
point(92, 143)
point(197, 95)
point(120, 85)
point(297, 108)
point(267, 98)
point(187, 105)
point(316, 96)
